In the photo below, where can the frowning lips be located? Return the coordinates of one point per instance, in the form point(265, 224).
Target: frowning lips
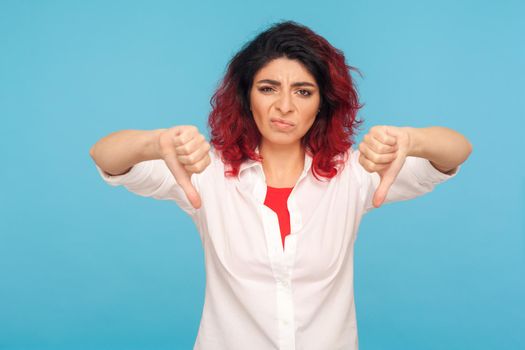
point(281, 121)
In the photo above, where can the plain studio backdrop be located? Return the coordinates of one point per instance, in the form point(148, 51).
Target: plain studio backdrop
point(84, 265)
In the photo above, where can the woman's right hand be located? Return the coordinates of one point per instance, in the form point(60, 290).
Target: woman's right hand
point(185, 151)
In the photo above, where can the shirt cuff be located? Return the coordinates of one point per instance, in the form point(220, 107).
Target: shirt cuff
point(426, 172)
point(137, 173)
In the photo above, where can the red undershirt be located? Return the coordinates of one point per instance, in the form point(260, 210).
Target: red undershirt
point(276, 199)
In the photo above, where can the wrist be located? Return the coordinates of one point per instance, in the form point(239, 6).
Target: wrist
point(416, 140)
point(152, 144)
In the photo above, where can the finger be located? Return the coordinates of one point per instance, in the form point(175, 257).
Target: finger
point(375, 157)
point(379, 147)
point(200, 166)
point(184, 180)
point(183, 134)
point(195, 154)
point(370, 166)
point(383, 136)
point(192, 142)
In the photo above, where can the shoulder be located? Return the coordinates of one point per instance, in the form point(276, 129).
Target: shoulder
point(216, 158)
point(216, 166)
point(352, 165)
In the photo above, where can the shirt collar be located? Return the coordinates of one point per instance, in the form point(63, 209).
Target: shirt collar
point(251, 163)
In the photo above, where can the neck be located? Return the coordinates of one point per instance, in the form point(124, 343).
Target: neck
point(282, 164)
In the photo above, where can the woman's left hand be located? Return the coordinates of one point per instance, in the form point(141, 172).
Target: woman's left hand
point(384, 150)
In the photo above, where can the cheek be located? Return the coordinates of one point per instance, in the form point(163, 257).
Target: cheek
point(310, 121)
point(259, 121)
point(260, 113)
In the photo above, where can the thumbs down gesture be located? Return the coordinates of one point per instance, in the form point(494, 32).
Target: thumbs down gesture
point(185, 152)
point(384, 150)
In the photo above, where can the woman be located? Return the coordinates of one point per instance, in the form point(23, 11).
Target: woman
point(278, 199)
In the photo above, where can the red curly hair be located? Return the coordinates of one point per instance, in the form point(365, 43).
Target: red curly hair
point(234, 132)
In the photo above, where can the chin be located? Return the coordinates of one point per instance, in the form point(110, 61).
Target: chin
point(282, 139)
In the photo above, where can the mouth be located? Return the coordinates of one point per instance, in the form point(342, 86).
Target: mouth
point(281, 125)
point(281, 121)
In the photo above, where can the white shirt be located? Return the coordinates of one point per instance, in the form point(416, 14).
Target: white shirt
point(257, 295)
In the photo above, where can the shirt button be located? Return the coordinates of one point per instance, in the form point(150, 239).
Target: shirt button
point(285, 284)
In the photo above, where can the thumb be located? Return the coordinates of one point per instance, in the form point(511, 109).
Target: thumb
point(382, 190)
point(388, 177)
point(183, 178)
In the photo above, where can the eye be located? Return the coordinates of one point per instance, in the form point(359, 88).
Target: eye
point(265, 89)
point(305, 93)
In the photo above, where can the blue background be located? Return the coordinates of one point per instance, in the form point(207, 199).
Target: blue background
point(87, 266)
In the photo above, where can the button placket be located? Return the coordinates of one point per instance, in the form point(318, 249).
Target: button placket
point(281, 261)
point(285, 308)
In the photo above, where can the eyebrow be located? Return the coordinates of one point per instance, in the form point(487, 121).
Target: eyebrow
point(275, 82)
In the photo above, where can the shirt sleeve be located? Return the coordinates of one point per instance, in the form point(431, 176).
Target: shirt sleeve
point(152, 178)
point(417, 177)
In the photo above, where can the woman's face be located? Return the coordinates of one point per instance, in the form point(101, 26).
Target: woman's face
point(284, 90)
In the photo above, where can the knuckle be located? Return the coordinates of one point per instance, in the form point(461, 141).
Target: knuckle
point(365, 163)
point(384, 148)
point(190, 168)
point(386, 159)
point(200, 170)
point(181, 159)
point(191, 159)
point(207, 161)
point(177, 131)
point(177, 140)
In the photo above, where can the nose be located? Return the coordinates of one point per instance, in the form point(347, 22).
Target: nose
point(284, 103)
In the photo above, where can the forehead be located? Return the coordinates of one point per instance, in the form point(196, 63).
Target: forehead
point(284, 69)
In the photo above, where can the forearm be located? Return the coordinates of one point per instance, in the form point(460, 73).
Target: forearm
point(119, 151)
point(443, 147)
